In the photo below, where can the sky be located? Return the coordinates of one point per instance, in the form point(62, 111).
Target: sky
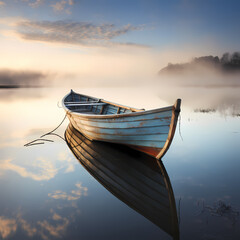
point(108, 40)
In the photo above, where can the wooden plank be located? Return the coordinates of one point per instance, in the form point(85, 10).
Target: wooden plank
point(129, 131)
point(85, 104)
point(101, 111)
point(122, 106)
point(81, 102)
point(138, 124)
point(125, 141)
point(143, 137)
point(130, 118)
point(82, 95)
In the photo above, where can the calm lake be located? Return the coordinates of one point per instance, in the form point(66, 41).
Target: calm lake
point(46, 193)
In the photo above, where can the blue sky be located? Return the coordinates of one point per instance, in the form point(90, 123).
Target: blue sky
point(161, 23)
point(160, 31)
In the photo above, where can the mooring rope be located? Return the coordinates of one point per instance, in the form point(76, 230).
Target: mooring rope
point(34, 142)
point(179, 128)
point(43, 140)
point(55, 128)
point(179, 216)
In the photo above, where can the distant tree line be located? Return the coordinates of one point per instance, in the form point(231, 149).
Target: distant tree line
point(231, 61)
point(227, 63)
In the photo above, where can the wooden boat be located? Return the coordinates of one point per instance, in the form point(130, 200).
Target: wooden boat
point(149, 131)
point(139, 180)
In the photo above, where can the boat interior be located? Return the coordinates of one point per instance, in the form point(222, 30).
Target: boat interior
point(89, 105)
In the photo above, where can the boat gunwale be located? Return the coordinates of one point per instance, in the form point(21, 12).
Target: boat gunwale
point(109, 116)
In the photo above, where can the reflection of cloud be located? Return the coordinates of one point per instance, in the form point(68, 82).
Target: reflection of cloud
point(64, 156)
point(80, 190)
point(54, 231)
point(70, 168)
point(45, 169)
point(75, 194)
point(79, 33)
point(58, 194)
point(7, 226)
point(21, 78)
point(56, 217)
point(31, 231)
point(45, 229)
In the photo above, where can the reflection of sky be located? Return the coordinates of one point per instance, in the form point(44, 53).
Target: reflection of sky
point(46, 193)
point(204, 169)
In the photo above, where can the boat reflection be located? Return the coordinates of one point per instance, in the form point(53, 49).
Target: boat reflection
point(138, 180)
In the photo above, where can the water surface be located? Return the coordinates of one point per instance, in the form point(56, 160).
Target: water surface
point(47, 194)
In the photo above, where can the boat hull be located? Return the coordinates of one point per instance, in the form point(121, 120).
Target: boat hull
point(150, 131)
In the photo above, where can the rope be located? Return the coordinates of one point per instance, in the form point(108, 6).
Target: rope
point(55, 134)
point(33, 142)
point(43, 140)
point(55, 128)
point(179, 217)
point(180, 126)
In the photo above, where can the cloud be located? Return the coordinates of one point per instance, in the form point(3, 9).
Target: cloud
point(69, 32)
point(36, 3)
point(58, 6)
point(61, 6)
point(70, 168)
point(75, 194)
point(58, 194)
point(22, 78)
point(64, 157)
point(44, 229)
point(7, 226)
point(80, 190)
point(54, 231)
point(30, 230)
point(71, 2)
point(45, 169)
point(56, 217)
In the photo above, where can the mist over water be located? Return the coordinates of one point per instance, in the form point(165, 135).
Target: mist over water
point(203, 89)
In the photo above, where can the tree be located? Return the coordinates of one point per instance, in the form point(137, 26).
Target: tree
point(225, 58)
point(236, 58)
